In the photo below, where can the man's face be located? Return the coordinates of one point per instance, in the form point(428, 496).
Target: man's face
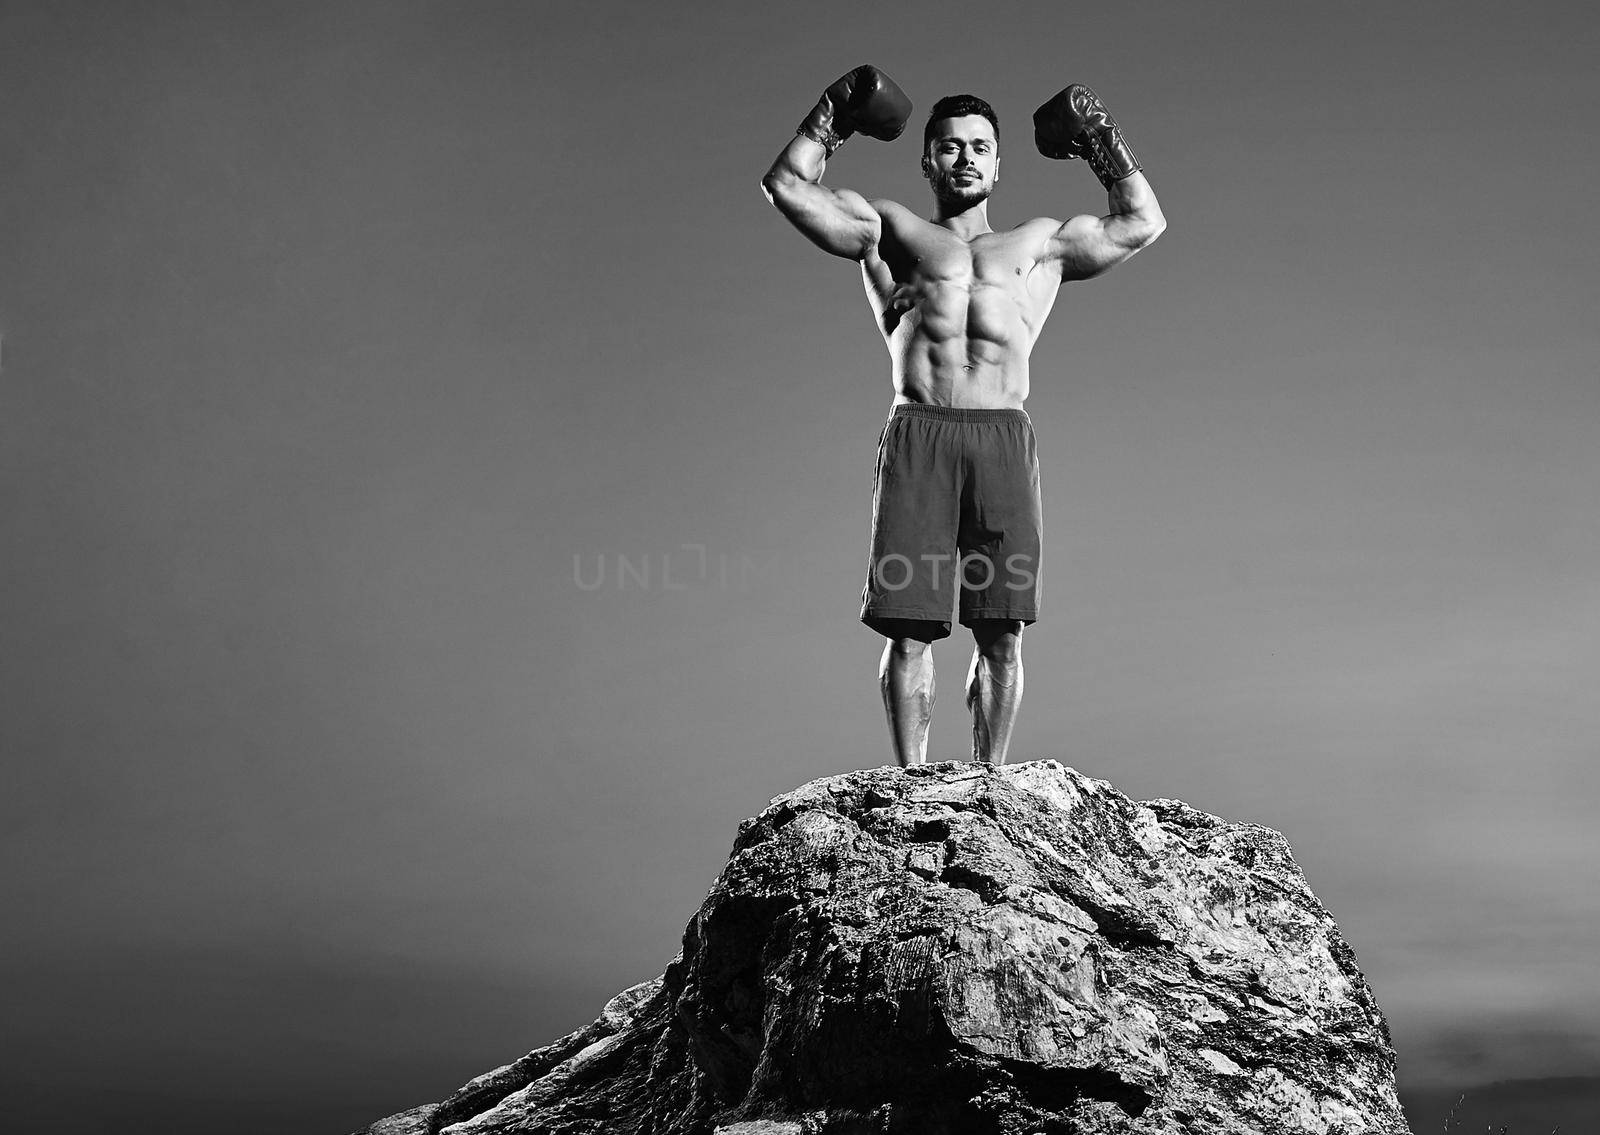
point(962, 161)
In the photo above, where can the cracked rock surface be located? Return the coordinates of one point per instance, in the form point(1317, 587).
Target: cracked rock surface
point(958, 949)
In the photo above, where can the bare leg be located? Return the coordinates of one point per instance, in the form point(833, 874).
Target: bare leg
point(994, 687)
point(906, 678)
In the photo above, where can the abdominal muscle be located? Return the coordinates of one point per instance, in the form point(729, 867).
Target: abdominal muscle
point(960, 347)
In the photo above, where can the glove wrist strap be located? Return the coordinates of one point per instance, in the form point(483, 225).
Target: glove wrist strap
point(1110, 156)
point(825, 126)
point(825, 136)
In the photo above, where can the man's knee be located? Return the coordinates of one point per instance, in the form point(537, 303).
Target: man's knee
point(999, 641)
point(909, 649)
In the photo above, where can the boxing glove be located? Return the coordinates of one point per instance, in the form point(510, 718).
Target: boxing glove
point(865, 100)
point(1076, 124)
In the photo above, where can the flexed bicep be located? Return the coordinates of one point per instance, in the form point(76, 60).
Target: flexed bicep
point(1076, 124)
point(1087, 246)
point(839, 221)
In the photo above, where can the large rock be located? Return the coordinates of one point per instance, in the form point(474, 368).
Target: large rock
point(957, 949)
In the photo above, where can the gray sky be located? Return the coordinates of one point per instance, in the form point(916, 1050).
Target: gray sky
point(349, 348)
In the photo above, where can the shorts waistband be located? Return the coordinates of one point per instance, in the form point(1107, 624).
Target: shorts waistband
point(955, 414)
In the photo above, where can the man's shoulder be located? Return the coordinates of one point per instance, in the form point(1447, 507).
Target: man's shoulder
point(1034, 237)
point(896, 216)
point(902, 228)
point(1044, 225)
point(888, 208)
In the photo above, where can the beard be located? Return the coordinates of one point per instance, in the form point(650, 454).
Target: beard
point(946, 187)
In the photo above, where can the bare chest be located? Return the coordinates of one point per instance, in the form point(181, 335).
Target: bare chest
point(937, 259)
point(989, 286)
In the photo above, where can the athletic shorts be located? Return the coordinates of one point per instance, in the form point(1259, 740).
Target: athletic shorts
point(956, 518)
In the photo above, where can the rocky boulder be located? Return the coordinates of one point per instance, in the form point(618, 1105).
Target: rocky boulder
point(959, 949)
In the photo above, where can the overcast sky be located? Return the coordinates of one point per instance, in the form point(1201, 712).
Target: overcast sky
point(350, 349)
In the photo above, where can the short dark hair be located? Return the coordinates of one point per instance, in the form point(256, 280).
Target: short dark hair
point(958, 106)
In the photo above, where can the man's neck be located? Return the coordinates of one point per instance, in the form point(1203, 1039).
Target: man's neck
point(965, 221)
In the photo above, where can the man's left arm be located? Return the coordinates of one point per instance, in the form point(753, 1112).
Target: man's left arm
point(1076, 124)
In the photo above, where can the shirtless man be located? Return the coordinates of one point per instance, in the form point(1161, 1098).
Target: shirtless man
point(956, 506)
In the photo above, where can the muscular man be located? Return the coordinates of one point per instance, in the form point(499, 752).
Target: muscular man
point(956, 506)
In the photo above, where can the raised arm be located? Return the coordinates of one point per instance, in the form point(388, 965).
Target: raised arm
point(1076, 124)
point(839, 221)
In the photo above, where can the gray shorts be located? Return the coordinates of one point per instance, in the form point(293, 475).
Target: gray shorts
point(957, 521)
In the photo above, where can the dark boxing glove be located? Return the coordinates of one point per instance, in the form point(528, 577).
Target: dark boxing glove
point(1076, 124)
point(865, 100)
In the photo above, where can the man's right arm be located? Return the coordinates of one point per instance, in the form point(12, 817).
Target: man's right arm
point(838, 221)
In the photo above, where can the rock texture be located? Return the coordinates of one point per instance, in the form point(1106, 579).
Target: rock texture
point(956, 949)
